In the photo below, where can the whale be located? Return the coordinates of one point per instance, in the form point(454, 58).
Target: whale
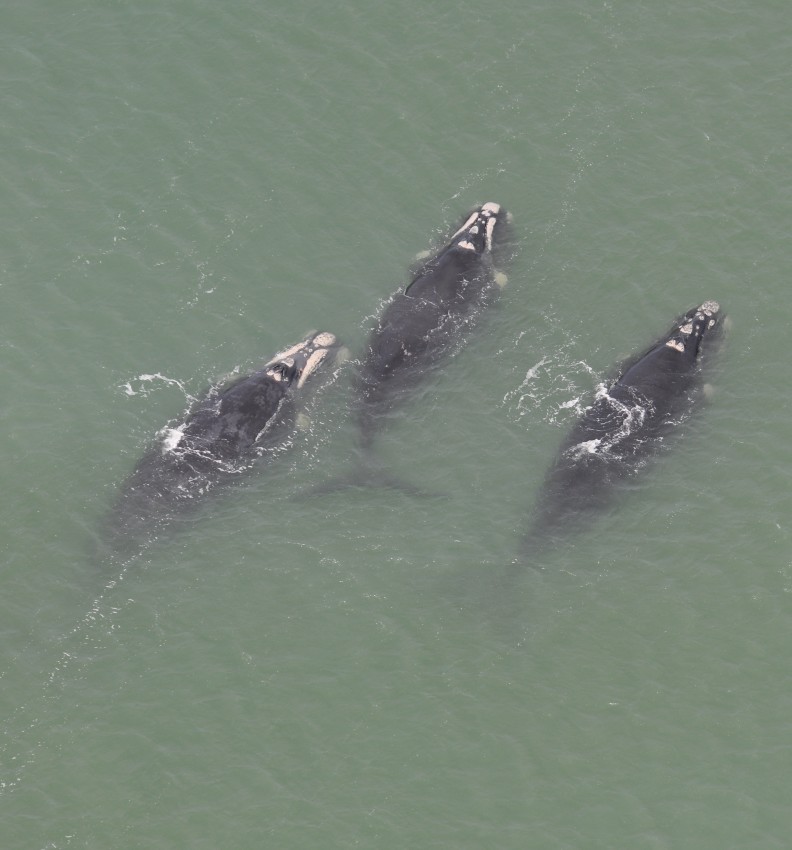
point(627, 422)
point(420, 325)
point(230, 429)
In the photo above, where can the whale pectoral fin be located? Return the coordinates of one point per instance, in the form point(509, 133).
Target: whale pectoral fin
point(344, 355)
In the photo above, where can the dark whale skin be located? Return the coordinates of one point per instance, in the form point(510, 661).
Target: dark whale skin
point(624, 426)
point(223, 435)
point(420, 325)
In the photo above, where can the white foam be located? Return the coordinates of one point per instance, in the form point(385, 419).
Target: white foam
point(587, 447)
point(171, 437)
point(150, 379)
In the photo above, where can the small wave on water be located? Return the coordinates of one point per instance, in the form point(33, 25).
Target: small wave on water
point(145, 385)
point(557, 387)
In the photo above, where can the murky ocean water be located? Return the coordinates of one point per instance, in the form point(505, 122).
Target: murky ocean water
point(187, 188)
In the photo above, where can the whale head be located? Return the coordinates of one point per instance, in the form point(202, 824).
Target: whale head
point(293, 366)
point(481, 229)
point(697, 324)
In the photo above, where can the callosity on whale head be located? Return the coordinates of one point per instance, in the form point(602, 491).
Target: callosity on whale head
point(478, 231)
point(293, 366)
point(693, 327)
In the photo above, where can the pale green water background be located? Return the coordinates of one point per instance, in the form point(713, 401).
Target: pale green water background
point(188, 186)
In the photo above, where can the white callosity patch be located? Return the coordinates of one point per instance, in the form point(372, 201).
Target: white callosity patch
point(488, 215)
point(471, 220)
point(490, 227)
point(316, 346)
point(324, 339)
point(277, 371)
point(706, 311)
point(313, 361)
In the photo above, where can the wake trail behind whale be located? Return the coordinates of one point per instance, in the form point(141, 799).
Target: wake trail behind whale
point(74, 650)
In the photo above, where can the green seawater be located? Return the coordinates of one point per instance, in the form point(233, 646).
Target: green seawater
point(187, 187)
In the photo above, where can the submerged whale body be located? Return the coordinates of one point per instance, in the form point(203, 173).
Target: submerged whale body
point(624, 425)
point(421, 324)
point(222, 436)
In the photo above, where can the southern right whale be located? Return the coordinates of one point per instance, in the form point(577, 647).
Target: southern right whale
point(226, 433)
point(420, 325)
point(417, 329)
point(624, 425)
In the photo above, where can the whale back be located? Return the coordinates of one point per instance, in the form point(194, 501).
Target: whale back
point(625, 424)
point(421, 324)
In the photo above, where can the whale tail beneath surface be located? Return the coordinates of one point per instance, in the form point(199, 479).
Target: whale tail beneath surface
point(369, 474)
